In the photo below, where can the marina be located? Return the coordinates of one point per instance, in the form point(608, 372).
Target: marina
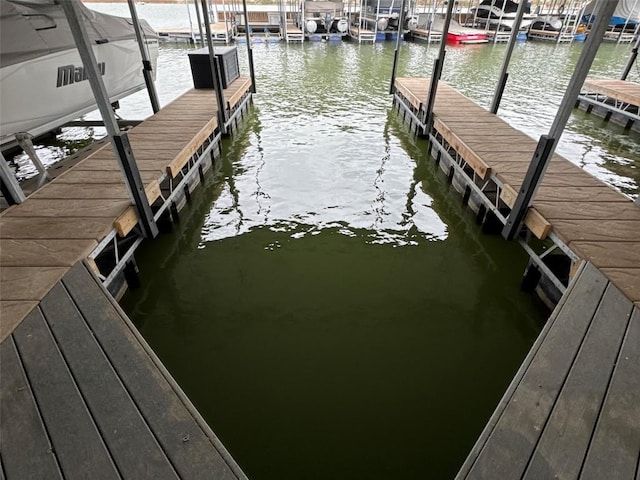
point(308, 291)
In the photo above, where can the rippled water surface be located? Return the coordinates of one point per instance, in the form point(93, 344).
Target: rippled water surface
point(326, 301)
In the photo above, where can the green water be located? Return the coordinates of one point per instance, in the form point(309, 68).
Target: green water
point(326, 301)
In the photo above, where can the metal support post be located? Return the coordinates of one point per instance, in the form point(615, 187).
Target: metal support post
point(531, 180)
point(215, 73)
point(504, 75)
point(249, 49)
point(542, 156)
point(199, 19)
point(632, 59)
point(437, 69)
point(119, 140)
point(25, 142)
point(396, 54)
point(10, 186)
point(147, 69)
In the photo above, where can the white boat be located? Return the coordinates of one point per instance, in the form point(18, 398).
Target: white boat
point(501, 15)
point(43, 83)
point(324, 17)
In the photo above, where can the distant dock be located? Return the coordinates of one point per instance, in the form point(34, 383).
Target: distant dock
point(573, 409)
point(82, 394)
point(615, 100)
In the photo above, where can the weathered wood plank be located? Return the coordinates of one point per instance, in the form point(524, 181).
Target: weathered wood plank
point(191, 452)
point(77, 191)
point(72, 208)
point(43, 253)
point(27, 227)
point(613, 452)
point(74, 436)
point(26, 449)
point(609, 254)
point(570, 230)
point(619, 89)
point(78, 175)
point(131, 444)
point(628, 280)
point(575, 211)
point(513, 439)
point(13, 312)
point(564, 441)
point(28, 283)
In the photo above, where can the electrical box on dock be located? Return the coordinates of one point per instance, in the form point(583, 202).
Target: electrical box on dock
point(227, 59)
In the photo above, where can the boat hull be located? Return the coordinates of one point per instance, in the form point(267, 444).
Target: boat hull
point(42, 94)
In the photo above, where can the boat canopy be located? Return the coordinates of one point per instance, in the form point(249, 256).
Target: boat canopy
point(33, 28)
point(322, 6)
point(626, 11)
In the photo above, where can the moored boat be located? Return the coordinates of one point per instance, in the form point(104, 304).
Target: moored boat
point(43, 83)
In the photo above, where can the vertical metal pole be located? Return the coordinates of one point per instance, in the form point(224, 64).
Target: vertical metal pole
point(504, 74)
point(119, 140)
point(215, 72)
point(632, 59)
point(147, 68)
point(249, 49)
point(547, 143)
point(11, 188)
point(397, 52)
point(199, 19)
point(437, 69)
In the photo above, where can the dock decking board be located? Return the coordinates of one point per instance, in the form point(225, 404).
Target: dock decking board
point(495, 149)
point(83, 397)
point(573, 398)
point(573, 409)
point(623, 90)
point(89, 200)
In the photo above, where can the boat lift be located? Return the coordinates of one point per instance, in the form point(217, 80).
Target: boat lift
point(421, 23)
point(562, 22)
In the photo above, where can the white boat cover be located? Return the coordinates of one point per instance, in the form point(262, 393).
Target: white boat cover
point(626, 9)
point(34, 28)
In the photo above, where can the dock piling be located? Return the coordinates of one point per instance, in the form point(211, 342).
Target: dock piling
point(222, 117)
point(504, 75)
point(437, 70)
point(396, 54)
point(10, 187)
point(147, 69)
point(547, 143)
point(249, 49)
point(119, 140)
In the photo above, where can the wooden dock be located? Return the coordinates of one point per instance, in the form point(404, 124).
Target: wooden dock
point(585, 221)
point(429, 36)
point(615, 100)
point(83, 396)
point(573, 409)
point(86, 213)
point(550, 36)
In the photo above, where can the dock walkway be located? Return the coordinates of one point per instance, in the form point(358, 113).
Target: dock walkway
point(616, 100)
point(87, 208)
point(573, 409)
point(587, 219)
point(83, 396)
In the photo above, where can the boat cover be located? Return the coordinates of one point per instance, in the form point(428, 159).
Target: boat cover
point(322, 6)
point(626, 10)
point(33, 28)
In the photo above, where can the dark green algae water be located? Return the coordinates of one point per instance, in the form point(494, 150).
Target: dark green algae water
point(326, 301)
